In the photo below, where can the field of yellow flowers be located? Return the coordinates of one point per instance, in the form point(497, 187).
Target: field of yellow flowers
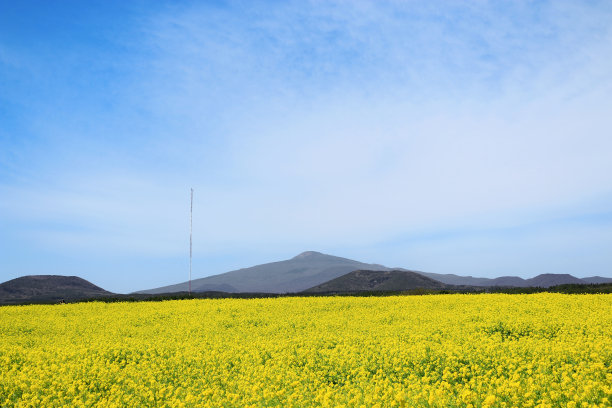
point(429, 351)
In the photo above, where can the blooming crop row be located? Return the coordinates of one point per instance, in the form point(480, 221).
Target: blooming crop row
point(432, 351)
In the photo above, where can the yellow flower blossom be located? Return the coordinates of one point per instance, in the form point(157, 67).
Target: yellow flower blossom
point(490, 350)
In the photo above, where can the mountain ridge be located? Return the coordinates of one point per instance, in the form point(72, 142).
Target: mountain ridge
point(296, 274)
point(544, 280)
point(302, 272)
point(310, 268)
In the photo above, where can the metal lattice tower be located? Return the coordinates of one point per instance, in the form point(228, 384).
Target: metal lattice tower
point(190, 238)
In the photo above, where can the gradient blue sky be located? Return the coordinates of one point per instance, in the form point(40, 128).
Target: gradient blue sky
point(452, 137)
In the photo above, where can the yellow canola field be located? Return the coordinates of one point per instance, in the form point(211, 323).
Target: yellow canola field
point(427, 351)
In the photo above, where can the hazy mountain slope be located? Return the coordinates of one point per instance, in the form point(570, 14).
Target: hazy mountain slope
point(596, 279)
point(310, 269)
point(304, 271)
point(40, 288)
point(507, 281)
point(395, 280)
point(552, 279)
point(452, 279)
point(544, 280)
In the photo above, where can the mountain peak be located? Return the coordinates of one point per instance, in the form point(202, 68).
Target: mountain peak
point(308, 254)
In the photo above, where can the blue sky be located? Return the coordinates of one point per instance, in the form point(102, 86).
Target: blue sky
point(452, 137)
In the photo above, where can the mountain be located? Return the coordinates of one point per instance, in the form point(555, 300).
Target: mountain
point(48, 288)
point(553, 279)
point(544, 280)
point(506, 281)
point(394, 280)
point(310, 269)
point(402, 280)
point(299, 273)
point(596, 280)
point(452, 279)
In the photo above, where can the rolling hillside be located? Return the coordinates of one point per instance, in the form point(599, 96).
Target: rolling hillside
point(395, 280)
point(48, 288)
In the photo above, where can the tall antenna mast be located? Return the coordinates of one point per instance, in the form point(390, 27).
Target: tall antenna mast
point(190, 238)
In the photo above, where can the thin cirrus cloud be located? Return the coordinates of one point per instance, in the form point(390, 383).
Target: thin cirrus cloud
point(388, 132)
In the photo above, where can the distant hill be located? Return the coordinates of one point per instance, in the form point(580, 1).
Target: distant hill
point(504, 281)
point(395, 280)
point(452, 279)
point(310, 269)
point(596, 280)
point(48, 288)
point(544, 280)
point(299, 273)
point(552, 279)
